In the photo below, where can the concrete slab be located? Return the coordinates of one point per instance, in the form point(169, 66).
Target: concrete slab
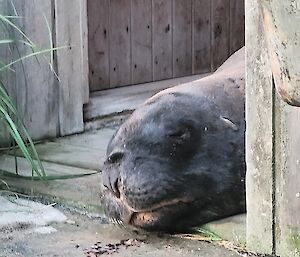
point(71, 238)
point(22, 212)
point(82, 192)
point(80, 154)
point(86, 150)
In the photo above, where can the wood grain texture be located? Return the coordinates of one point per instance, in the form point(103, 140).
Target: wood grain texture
point(162, 39)
point(220, 32)
point(287, 179)
point(67, 20)
point(237, 25)
point(182, 38)
point(201, 53)
point(98, 41)
point(259, 145)
point(6, 77)
point(119, 16)
point(84, 50)
point(37, 90)
point(141, 41)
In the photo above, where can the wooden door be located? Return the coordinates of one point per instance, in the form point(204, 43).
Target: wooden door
point(137, 41)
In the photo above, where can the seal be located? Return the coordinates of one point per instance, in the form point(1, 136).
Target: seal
point(179, 159)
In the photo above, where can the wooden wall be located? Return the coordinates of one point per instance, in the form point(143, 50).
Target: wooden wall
point(136, 41)
point(272, 135)
point(50, 89)
point(108, 43)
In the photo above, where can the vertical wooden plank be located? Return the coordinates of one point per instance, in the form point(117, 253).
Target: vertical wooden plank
point(220, 30)
point(6, 77)
point(162, 39)
point(182, 38)
point(287, 182)
point(37, 91)
point(272, 138)
point(120, 55)
point(67, 20)
point(141, 41)
point(287, 177)
point(84, 51)
point(201, 36)
point(259, 145)
point(237, 25)
point(98, 41)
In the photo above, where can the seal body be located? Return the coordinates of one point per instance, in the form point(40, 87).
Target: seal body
point(178, 160)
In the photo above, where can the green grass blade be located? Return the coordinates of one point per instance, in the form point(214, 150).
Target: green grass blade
point(30, 55)
point(18, 139)
point(14, 7)
point(5, 98)
point(50, 41)
point(48, 177)
point(207, 233)
point(6, 41)
point(12, 17)
point(7, 21)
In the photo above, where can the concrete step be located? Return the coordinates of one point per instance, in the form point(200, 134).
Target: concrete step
point(117, 100)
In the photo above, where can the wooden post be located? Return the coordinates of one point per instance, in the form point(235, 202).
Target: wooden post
point(69, 66)
point(6, 77)
point(272, 143)
point(35, 88)
point(259, 147)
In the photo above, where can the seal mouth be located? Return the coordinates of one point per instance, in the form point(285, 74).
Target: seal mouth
point(148, 217)
point(144, 216)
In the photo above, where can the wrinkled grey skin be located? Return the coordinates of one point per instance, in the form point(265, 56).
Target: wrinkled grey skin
point(179, 160)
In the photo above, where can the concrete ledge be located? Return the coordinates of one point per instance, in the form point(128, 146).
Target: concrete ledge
point(117, 100)
point(232, 229)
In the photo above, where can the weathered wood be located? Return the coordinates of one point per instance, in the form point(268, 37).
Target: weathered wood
point(84, 51)
point(201, 36)
point(220, 32)
point(182, 38)
point(162, 39)
point(279, 19)
point(273, 223)
point(6, 77)
point(67, 20)
point(120, 72)
point(37, 92)
point(259, 148)
point(98, 26)
point(141, 41)
point(237, 25)
point(287, 179)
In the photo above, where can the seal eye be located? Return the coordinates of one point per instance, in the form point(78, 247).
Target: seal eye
point(180, 135)
point(115, 157)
